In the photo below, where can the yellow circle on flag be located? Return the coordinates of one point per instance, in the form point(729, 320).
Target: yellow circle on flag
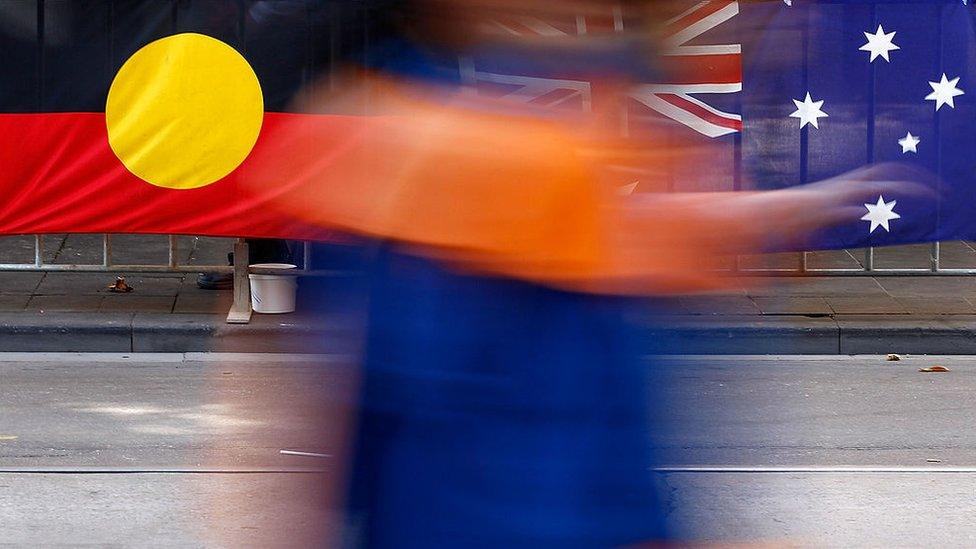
point(184, 111)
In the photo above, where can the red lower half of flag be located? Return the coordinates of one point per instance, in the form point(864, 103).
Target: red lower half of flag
point(58, 174)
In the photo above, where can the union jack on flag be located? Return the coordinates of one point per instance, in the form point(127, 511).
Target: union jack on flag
point(704, 69)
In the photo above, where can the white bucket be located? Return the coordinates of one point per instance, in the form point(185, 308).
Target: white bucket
point(273, 293)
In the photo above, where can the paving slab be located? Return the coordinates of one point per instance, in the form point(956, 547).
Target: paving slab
point(51, 245)
point(13, 302)
point(140, 303)
point(143, 249)
point(930, 286)
point(957, 255)
point(206, 250)
point(74, 249)
point(163, 284)
point(937, 305)
point(793, 305)
point(879, 304)
point(815, 287)
point(65, 303)
point(835, 259)
point(666, 305)
point(203, 303)
point(20, 282)
point(719, 305)
point(788, 260)
point(911, 256)
point(17, 249)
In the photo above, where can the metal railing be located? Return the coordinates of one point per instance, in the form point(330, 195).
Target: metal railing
point(240, 312)
point(107, 264)
point(867, 267)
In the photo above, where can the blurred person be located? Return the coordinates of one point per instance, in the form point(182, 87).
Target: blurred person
point(502, 401)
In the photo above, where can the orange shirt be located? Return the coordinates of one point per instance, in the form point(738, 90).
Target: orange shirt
point(490, 192)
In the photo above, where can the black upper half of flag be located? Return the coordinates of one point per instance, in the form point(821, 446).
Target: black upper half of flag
point(61, 55)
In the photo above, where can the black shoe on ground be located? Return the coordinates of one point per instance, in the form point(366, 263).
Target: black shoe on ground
point(215, 281)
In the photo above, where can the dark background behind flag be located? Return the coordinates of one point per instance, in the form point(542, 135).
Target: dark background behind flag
point(61, 55)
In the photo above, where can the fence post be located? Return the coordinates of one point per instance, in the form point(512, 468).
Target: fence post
point(240, 311)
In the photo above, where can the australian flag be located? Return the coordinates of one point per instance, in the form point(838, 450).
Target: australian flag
point(833, 85)
point(788, 92)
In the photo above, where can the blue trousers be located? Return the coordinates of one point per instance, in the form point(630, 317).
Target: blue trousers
point(498, 413)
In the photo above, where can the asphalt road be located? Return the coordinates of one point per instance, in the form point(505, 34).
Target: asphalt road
point(185, 450)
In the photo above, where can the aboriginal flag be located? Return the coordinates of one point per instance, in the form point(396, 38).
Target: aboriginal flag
point(144, 116)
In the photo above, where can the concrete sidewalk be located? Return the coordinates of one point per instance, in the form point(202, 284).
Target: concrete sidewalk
point(63, 311)
point(827, 315)
point(168, 313)
point(75, 312)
